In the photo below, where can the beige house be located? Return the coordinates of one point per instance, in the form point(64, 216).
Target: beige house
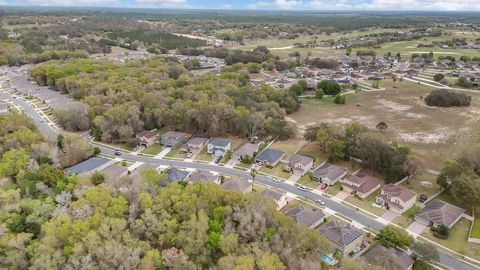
point(307, 216)
point(361, 184)
point(298, 164)
point(396, 199)
point(146, 138)
point(278, 197)
point(194, 146)
point(343, 236)
point(205, 177)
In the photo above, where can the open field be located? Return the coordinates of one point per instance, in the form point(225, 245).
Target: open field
point(434, 133)
point(423, 183)
point(287, 146)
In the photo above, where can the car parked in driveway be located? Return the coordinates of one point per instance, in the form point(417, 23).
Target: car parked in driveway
point(323, 186)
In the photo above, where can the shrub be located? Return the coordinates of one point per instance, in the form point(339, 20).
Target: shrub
point(438, 77)
point(441, 232)
point(339, 99)
point(97, 178)
point(443, 98)
point(319, 93)
point(329, 88)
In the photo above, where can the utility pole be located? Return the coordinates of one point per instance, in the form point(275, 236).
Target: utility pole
point(253, 173)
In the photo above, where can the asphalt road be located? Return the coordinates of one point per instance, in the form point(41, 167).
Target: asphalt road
point(48, 132)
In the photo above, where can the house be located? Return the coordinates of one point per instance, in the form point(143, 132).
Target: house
point(219, 147)
point(361, 184)
point(89, 165)
point(205, 177)
point(329, 173)
point(396, 198)
point(114, 172)
point(278, 197)
point(246, 150)
point(343, 236)
point(146, 138)
point(438, 213)
point(237, 184)
point(269, 157)
point(175, 175)
point(3, 108)
point(400, 259)
point(298, 164)
point(195, 145)
point(307, 216)
point(173, 139)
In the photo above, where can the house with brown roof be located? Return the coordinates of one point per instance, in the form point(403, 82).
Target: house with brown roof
point(329, 173)
point(400, 260)
point(438, 213)
point(173, 139)
point(306, 216)
point(205, 177)
point(280, 198)
point(146, 138)
point(396, 198)
point(298, 164)
point(245, 150)
point(343, 236)
point(114, 172)
point(361, 184)
point(194, 146)
point(237, 184)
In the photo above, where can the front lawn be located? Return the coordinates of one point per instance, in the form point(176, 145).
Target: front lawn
point(204, 156)
point(276, 171)
point(476, 228)
point(176, 153)
point(366, 203)
point(153, 150)
point(406, 218)
point(307, 180)
point(333, 190)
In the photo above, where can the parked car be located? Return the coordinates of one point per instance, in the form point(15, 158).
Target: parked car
point(422, 198)
point(117, 153)
point(217, 160)
point(277, 179)
point(302, 188)
point(323, 186)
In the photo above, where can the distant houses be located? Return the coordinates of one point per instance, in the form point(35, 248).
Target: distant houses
point(146, 138)
point(3, 108)
point(244, 151)
point(205, 177)
point(194, 146)
point(277, 196)
point(173, 139)
point(307, 216)
point(237, 184)
point(343, 236)
point(400, 259)
point(175, 175)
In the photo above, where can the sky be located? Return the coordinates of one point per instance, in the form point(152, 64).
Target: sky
point(414, 5)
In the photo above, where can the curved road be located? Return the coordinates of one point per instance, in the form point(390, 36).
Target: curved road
point(445, 259)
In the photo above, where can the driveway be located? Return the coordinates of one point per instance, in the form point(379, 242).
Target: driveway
point(416, 228)
point(163, 153)
point(389, 215)
point(342, 195)
point(294, 177)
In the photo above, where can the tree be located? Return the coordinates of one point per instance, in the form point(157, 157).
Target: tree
point(340, 99)
point(14, 162)
point(75, 149)
point(297, 89)
point(451, 170)
point(382, 125)
point(319, 93)
point(466, 189)
point(303, 84)
point(97, 178)
point(75, 118)
point(329, 88)
point(425, 251)
point(438, 77)
point(391, 235)
point(270, 262)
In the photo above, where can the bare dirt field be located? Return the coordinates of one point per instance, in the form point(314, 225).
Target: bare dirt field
point(434, 133)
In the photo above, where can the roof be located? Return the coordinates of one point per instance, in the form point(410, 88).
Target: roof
point(299, 159)
point(88, 165)
point(365, 182)
point(340, 233)
point(272, 193)
point(329, 171)
point(176, 175)
point(440, 212)
point(173, 134)
point(305, 215)
point(270, 155)
point(237, 184)
point(114, 171)
point(146, 134)
point(203, 177)
point(401, 260)
point(397, 191)
point(219, 142)
point(247, 149)
point(197, 141)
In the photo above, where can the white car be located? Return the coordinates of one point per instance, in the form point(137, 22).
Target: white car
point(319, 201)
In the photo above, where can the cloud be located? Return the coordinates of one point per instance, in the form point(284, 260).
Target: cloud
point(160, 3)
point(277, 4)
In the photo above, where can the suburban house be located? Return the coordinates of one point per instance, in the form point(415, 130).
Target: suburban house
point(343, 236)
point(269, 157)
point(438, 213)
point(205, 177)
point(146, 138)
point(114, 172)
point(246, 150)
point(400, 260)
point(175, 175)
point(194, 145)
point(3, 108)
point(396, 198)
point(298, 164)
point(278, 197)
point(89, 165)
point(237, 184)
point(173, 139)
point(219, 147)
point(307, 216)
point(329, 173)
point(361, 184)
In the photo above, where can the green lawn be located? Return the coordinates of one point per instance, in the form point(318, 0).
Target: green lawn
point(446, 197)
point(423, 183)
point(313, 150)
point(406, 218)
point(153, 150)
point(366, 203)
point(307, 180)
point(333, 190)
point(457, 239)
point(287, 146)
point(276, 171)
point(476, 228)
point(204, 156)
point(176, 153)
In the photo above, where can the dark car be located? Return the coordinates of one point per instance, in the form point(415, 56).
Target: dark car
point(323, 186)
point(117, 153)
point(217, 159)
point(422, 198)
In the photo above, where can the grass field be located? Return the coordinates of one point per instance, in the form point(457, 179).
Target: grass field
point(306, 180)
point(287, 146)
point(333, 190)
point(153, 150)
point(476, 228)
point(423, 183)
point(176, 153)
point(276, 171)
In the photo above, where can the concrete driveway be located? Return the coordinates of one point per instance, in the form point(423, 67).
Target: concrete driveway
point(294, 177)
point(342, 195)
point(416, 228)
point(389, 215)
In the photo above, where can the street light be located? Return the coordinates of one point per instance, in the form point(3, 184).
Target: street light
point(253, 173)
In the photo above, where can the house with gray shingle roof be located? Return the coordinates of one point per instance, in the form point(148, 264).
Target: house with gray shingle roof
point(246, 150)
point(329, 173)
point(343, 236)
point(114, 172)
point(173, 139)
point(278, 197)
point(400, 259)
point(237, 184)
point(269, 157)
point(176, 175)
point(396, 198)
point(89, 165)
point(219, 147)
point(306, 216)
point(205, 177)
point(298, 164)
point(438, 213)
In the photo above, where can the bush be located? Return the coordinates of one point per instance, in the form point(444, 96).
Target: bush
point(441, 232)
point(339, 99)
point(464, 82)
point(97, 178)
point(438, 77)
point(329, 88)
point(319, 93)
point(443, 98)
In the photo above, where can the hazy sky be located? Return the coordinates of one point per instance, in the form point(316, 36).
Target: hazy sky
point(434, 5)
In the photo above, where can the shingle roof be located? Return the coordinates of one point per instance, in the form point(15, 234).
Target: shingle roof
point(146, 134)
point(340, 233)
point(247, 149)
point(203, 177)
point(305, 215)
point(197, 141)
point(329, 171)
point(366, 182)
point(237, 184)
point(397, 191)
point(88, 165)
point(299, 159)
point(113, 171)
point(441, 212)
point(176, 175)
point(401, 260)
point(269, 155)
point(219, 142)
point(272, 193)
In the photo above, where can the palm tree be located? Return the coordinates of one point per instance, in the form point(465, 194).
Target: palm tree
point(253, 173)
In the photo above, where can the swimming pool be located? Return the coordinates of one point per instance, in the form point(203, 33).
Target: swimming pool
point(326, 259)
